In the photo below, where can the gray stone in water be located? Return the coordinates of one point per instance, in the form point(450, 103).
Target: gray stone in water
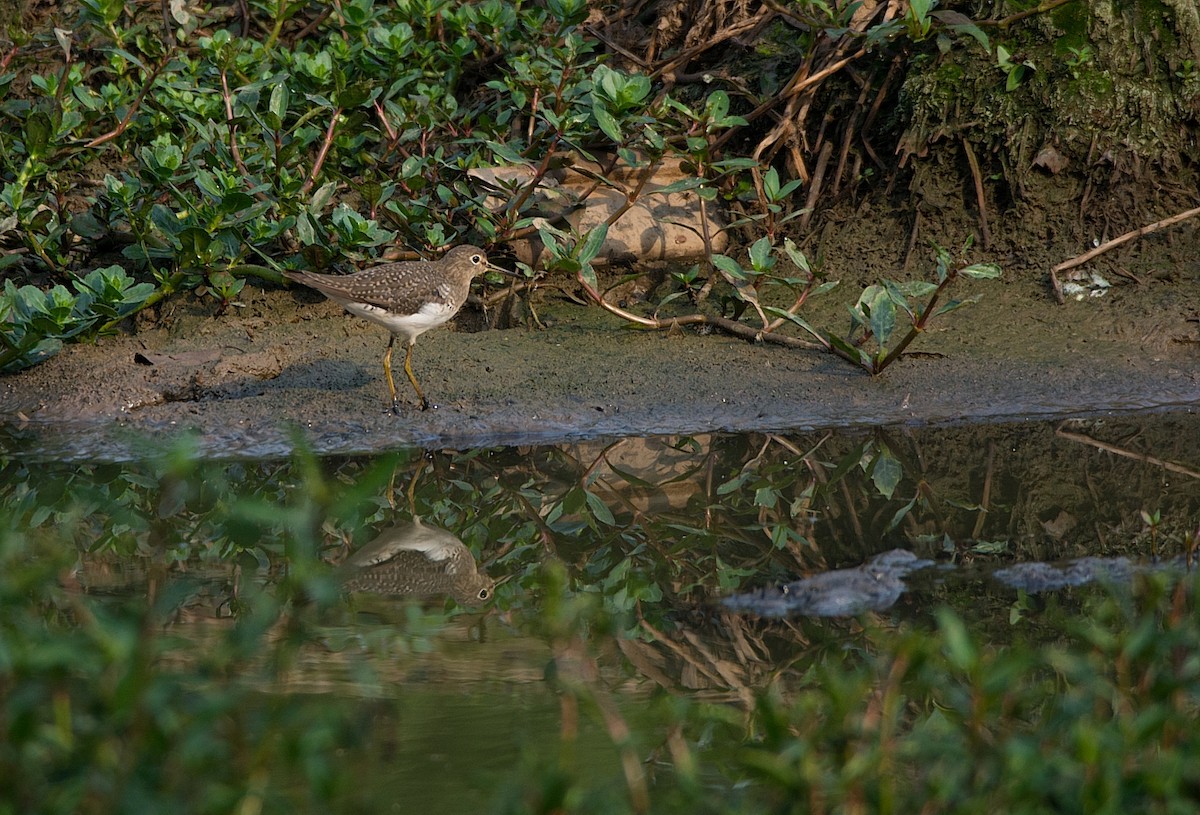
point(873, 586)
point(1038, 576)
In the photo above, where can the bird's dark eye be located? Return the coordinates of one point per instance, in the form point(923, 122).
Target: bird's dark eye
point(484, 594)
point(477, 259)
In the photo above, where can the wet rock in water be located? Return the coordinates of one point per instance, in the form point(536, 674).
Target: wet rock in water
point(873, 586)
point(1038, 577)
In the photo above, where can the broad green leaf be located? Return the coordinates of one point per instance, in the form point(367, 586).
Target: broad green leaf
point(599, 509)
point(322, 197)
point(606, 121)
point(729, 266)
point(760, 255)
point(898, 297)
point(886, 473)
point(960, 23)
point(881, 313)
point(766, 497)
point(280, 99)
point(592, 244)
point(916, 288)
point(797, 257)
point(770, 182)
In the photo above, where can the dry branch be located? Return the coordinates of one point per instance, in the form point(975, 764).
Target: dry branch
point(1079, 260)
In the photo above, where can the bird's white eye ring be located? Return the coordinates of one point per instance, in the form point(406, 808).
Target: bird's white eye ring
point(477, 259)
point(484, 594)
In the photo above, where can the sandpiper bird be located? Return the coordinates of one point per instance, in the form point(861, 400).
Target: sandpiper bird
point(417, 561)
point(406, 298)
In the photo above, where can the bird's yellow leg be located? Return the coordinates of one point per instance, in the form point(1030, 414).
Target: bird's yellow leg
point(413, 379)
point(387, 369)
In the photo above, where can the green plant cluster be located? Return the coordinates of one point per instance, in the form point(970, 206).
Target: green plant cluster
point(223, 156)
point(207, 155)
point(33, 322)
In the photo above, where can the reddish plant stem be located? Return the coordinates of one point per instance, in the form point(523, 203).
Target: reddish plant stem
point(323, 152)
point(137, 103)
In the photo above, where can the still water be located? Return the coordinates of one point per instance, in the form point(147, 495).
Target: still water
point(602, 626)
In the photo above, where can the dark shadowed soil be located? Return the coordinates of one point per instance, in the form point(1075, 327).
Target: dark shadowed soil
point(281, 360)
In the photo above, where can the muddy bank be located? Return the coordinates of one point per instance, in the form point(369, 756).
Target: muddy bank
point(285, 362)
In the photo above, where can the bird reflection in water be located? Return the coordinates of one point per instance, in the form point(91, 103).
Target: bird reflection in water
point(415, 560)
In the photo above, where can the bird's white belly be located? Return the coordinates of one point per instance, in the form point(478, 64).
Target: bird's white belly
point(409, 326)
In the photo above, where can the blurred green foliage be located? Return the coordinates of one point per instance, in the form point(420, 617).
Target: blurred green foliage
point(165, 623)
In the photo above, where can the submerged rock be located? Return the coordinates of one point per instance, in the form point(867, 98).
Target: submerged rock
point(1038, 577)
point(873, 586)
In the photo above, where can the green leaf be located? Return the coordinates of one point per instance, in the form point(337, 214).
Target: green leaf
point(960, 23)
point(898, 297)
point(760, 255)
point(606, 121)
point(886, 473)
point(729, 266)
point(881, 313)
point(855, 354)
point(681, 185)
point(766, 497)
point(599, 509)
point(953, 305)
point(506, 153)
point(916, 288)
point(900, 515)
point(797, 257)
point(959, 649)
point(800, 321)
point(38, 130)
point(592, 244)
point(770, 184)
point(981, 271)
point(280, 99)
point(322, 197)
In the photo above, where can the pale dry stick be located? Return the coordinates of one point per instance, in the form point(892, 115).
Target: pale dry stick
point(986, 497)
point(629, 55)
point(691, 53)
point(855, 523)
point(723, 667)
point(793, 88)
point(1113, 244)
point(818, 180)
point(785, 130)
point(729, 326)
point(892, 73)
point(1043, 7)
point(980, 199)
point(795, 307)
point(844, 153)
point(679, 651)
point(1170, 466)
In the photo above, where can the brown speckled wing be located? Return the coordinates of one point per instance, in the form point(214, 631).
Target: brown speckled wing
point(401, 288)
